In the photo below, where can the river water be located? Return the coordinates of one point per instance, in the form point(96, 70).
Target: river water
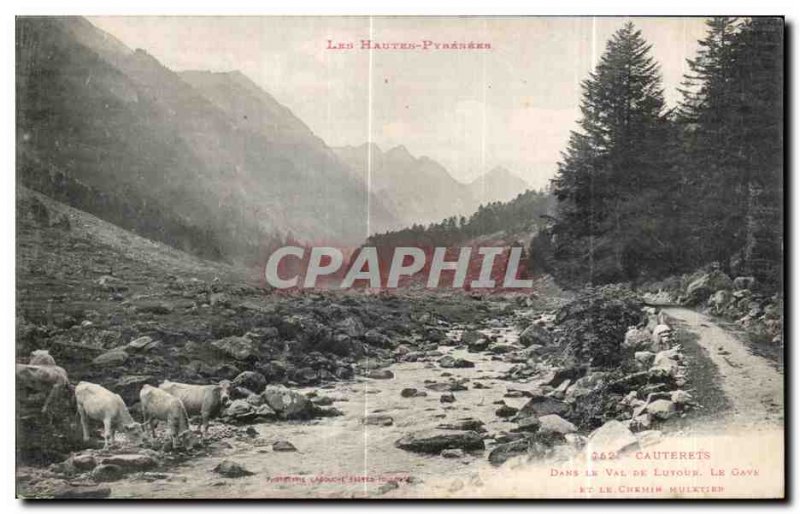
point(341, 457)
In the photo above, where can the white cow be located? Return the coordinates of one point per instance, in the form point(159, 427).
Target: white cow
point(50, 380)
point(97, 403)
point(205, 400)
point(159, 405)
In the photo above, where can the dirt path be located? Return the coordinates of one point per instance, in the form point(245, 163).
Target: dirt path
point(752, 385)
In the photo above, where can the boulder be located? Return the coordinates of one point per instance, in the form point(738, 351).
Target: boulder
point(478, 346)
point(288, 404)
point(506, 411)
point(503, 452)
point(665, 361)
point(701, 288)
point(236, 347)
point(378, 419)
point(239, 410)
point(680, 397)
point(469, 424)
point(637, 339)
point(107, 473)
point(380, 374)
point(283, 446)
point(448, 361)
point(662, 337)
point(142, 344)
point(410, 392)
point(539, 406)
point(613, 437)
point(446, 386)
point(81, 492)
point(744, 282)
point(375, 338)
point(83, 462)
point(447, 398)
point(453, 453)
point(115, 357)
point(231, 469)
point(131, 462)
point(535, 334)
point(470, 337)
point(529, 424)
point(434, 441)
point(501, 349)
point(644, 360)
point(555, 423)
point(251, 380)
point(661, 409)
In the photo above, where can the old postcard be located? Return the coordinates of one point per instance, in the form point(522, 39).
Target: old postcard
point(399, 257)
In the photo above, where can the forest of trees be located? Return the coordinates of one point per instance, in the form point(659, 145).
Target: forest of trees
point(644, 191)
point(522, 214)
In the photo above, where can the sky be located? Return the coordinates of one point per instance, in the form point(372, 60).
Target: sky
point(512, 105)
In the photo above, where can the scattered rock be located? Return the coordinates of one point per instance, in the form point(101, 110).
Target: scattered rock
point(380, 374)
point(453, 453)
point(410, 392)
point(469, 424)
point(391, 485)
point(434, 441)
point(288, 404)
point(539, 406)
point(529, 424)
point(661, 409)
point(283, 446)
point(251, 380)
point(239, 410)
point(82, 492)
point(115, 357)
point(131, 462)
point(378, 419)
point(555, 423)
point(231, 469)
point(506, 411)
point(107, 473)
point(613, 436)
point(239, 348)
point(535, 334)
point(448, 361)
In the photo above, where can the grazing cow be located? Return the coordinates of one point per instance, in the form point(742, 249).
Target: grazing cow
point(50, 380)
point(159, 405)
point(99, 404)
point(205, 400)
point(41, 358)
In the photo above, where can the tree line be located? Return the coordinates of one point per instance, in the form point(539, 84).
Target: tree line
point(644, 191)
point(523, 214)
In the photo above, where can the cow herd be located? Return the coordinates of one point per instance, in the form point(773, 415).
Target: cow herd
point(170, 403)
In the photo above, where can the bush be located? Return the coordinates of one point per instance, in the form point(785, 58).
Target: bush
point(593, 326)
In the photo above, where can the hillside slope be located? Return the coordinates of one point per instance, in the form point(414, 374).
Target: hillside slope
point(416, 189)
point(113, 132)
point(497, 185)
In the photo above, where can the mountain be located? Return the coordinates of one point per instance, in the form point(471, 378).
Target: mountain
point(497, 185)
point(415, 189)
point(208, 163)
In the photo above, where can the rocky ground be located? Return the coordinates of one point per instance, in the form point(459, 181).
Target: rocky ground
point(343, 395)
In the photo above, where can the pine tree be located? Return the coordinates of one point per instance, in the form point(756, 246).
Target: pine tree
point(731, 116)
point(609, 181)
